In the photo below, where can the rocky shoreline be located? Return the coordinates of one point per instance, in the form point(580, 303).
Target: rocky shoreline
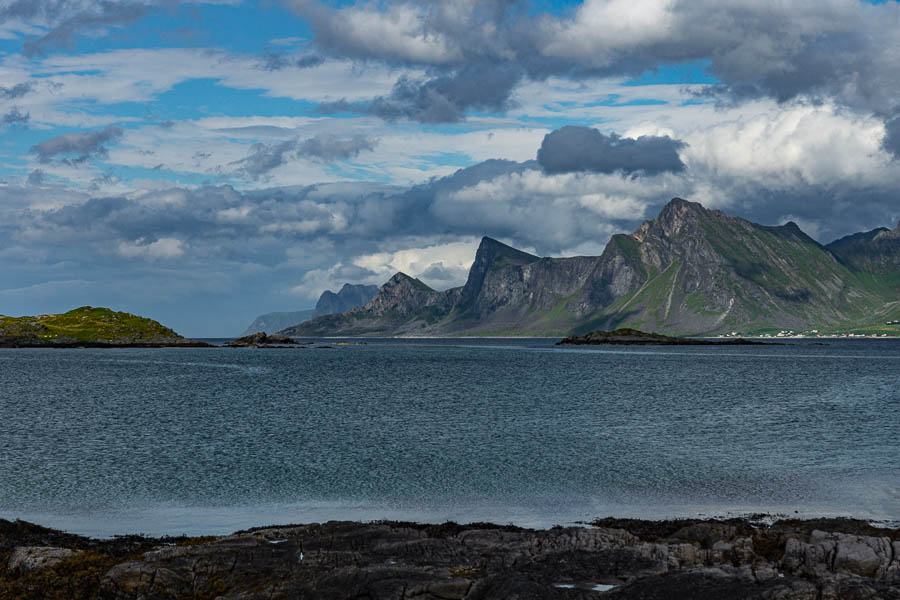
point(176, 343)
point(615, 558)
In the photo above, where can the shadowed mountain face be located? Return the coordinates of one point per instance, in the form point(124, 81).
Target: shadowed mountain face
point(688, 271)
point(876, 251)
point(349, 296)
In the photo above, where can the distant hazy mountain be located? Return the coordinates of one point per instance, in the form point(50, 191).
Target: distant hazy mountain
point(688, 271)
point(350, 296)
point(276, 321)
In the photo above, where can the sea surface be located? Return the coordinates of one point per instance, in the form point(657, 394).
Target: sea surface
point(209, 441)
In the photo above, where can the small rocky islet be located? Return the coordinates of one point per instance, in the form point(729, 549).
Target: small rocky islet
point(90, 327)
point(626, 559)
point(634, 337)
point(261, 339)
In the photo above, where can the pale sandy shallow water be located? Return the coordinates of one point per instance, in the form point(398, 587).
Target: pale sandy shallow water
point(200, 441)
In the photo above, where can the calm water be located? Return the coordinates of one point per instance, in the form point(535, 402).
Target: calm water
point(213, 440)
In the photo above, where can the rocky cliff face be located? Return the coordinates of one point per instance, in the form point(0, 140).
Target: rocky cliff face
point(688, 271)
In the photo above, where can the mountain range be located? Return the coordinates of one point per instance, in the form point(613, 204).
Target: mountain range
point(689, 271)
point(349, 296)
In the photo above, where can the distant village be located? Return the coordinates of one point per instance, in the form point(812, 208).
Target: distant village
point(812, 333)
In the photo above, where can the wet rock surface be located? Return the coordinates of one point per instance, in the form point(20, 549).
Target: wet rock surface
point(624, 559)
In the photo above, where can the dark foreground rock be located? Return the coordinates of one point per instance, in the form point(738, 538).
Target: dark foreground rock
point(622, 559)
point(633, 337)
point(260, 338)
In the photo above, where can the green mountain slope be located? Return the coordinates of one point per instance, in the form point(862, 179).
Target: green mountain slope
point(701, 271)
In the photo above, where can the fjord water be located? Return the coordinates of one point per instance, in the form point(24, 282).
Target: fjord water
point(199, 441)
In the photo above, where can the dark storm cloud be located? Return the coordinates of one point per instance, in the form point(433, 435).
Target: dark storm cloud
point(83, 145)
point(821, 50)
point(265, 157)
point(100, 181)
point(15, 117)
point(572, 148)
point(479, 28)
point(36, 177)
point(308, 61)
point(447, 98)
point(443, 99)
point(892, 137)
point(16, 91)
point(328, 148)
point(850, 207)
point(272, 60)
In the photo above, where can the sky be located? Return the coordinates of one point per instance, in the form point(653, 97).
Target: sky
point(201, 163)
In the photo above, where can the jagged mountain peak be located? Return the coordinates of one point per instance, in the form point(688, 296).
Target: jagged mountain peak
point(890, 234)
point(494, 249)
point(875, 251)
point(402, 279)
point(682, 205)
point(402, 294)
point(677, 216)
point(491, 255)
point(857, 239)
point(791, 229)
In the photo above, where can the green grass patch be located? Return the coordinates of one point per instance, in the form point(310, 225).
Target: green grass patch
point(86, 324)
point(629, 246)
